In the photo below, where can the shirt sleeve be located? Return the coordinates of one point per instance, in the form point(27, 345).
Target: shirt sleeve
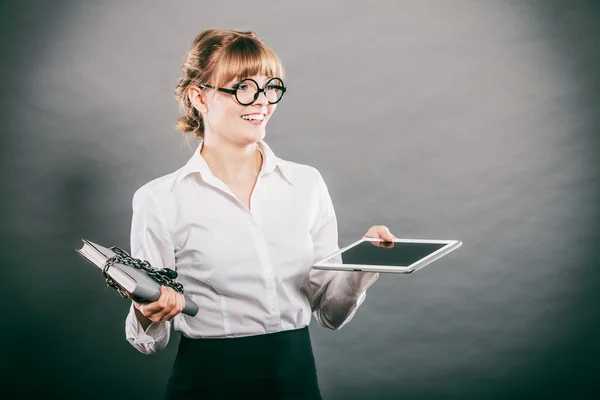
point(336, 295)
point(150, 240)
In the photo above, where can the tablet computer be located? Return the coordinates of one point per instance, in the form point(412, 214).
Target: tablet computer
point(403, 256)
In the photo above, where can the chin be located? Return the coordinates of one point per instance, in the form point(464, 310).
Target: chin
point(255, 136)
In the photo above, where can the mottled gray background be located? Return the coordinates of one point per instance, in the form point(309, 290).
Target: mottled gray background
point(470, 120)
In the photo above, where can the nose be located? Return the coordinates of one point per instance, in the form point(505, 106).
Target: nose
point(262, 98)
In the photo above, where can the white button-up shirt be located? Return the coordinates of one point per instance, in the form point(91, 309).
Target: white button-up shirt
point(249, 270)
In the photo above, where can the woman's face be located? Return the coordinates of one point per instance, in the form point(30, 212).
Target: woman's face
point(232, 121)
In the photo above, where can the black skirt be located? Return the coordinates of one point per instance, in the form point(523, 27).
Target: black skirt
point(278, 365)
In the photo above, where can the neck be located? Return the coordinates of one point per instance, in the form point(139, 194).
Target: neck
point(231, 162)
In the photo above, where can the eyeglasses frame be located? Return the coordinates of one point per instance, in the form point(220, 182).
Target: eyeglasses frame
point(260, 90)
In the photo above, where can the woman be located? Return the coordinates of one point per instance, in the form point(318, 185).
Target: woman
point(242, 228)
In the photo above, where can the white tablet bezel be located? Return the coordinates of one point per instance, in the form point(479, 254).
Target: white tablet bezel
point(450, 245)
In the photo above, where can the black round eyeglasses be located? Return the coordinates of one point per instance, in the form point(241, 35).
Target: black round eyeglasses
point(246, 92)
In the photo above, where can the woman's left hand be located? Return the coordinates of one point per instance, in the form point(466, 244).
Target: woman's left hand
point(380, 231)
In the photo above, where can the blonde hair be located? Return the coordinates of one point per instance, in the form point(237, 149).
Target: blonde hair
point(217, 57)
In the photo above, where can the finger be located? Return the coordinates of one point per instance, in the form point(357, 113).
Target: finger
point(384, 233)
point(157, 306)
point(181, 303)
point(168, 304)
point(386, 244)
point(380, 231)
point(163, 300)
point(178, 307)
point(174, 301)
point(173, 308)
point(372, 232)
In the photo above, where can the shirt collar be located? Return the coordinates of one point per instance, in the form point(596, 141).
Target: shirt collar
point(197, 164)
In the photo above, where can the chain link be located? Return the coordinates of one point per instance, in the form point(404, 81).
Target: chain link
point(164, 277)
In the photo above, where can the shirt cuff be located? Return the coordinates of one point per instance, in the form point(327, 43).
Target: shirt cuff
point(153, 333)
point(352, 286)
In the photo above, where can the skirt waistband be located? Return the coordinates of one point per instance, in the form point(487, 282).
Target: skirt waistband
point(290, 338)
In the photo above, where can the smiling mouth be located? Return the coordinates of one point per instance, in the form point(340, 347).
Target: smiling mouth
point(254, 117)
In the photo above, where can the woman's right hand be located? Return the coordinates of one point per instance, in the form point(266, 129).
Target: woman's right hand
point(169, 304)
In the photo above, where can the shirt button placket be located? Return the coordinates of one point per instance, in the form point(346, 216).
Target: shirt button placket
point(274, 320)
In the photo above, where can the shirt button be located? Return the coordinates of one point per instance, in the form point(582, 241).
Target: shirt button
point(268, 270)
point(273, 307)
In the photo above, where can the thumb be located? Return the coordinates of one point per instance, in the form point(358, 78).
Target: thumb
point(385, 233)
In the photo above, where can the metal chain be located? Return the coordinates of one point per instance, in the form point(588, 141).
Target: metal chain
point(164, 277)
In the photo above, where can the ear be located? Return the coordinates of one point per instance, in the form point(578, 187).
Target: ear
point(198, 99)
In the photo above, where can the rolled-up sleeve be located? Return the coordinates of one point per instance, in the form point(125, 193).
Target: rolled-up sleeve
point(150, 240)
point(336, 295)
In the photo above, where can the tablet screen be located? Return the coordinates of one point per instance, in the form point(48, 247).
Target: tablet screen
point(400, 254)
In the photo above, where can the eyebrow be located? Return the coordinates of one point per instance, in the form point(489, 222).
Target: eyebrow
point(235, 82)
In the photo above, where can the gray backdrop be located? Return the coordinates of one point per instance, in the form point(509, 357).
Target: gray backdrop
point(470, 120)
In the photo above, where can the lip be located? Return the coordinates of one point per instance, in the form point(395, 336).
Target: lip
point(260, 122)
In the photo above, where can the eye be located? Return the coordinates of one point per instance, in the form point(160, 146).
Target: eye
point(241, 86)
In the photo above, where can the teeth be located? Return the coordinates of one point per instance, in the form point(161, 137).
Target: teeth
point(254, 117)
